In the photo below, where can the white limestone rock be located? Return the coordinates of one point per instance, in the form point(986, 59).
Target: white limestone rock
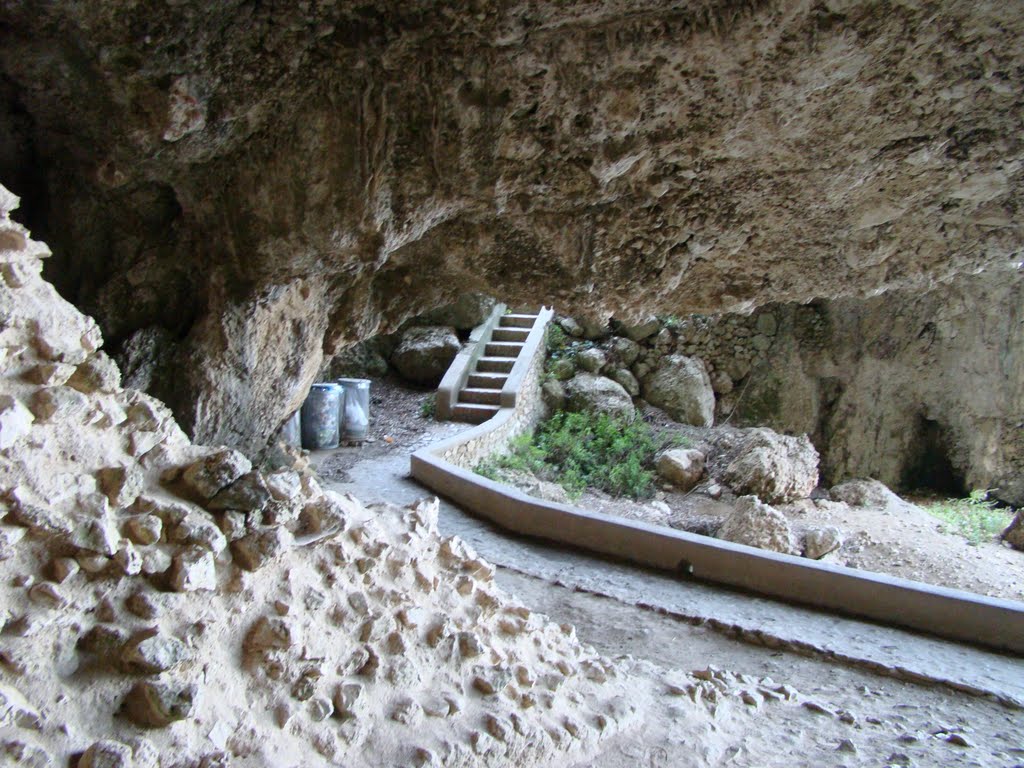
point(680, 386)
point(758, 525)
point(683, 467)
point(775, 468)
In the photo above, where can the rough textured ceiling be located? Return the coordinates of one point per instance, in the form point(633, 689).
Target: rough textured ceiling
point(266, 180)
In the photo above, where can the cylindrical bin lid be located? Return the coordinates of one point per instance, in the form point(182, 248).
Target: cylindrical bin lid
point(355, 409)
point(320, 417)
point(291, 430)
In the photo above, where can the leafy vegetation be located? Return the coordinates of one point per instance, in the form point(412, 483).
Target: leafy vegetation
point(580, 450)
point(428, 408)
point(977, 517)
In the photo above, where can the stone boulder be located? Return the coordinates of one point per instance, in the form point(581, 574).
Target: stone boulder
point(683, 467)
point(775, 468)
point(818, 542)
point(425, 352)
point(680, 386)
point(592, 360)
point(758, 525)
point(626, 379)
point(864, 493)
point(586, 393)
point(624, 351)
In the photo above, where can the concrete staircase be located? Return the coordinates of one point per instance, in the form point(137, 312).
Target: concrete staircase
point(480, 398)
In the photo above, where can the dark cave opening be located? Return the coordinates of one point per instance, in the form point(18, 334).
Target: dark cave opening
point(930, 468)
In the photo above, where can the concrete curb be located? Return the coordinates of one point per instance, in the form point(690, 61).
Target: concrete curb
point(948, 613)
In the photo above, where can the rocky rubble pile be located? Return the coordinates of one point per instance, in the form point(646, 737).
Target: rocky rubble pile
point(169, 604)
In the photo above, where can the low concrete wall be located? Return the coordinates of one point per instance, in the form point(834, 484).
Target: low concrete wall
point(445, 468)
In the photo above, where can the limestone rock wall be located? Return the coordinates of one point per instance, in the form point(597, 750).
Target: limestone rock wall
point(205, 168)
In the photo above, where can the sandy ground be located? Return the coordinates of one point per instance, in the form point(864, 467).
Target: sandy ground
point(868, 720)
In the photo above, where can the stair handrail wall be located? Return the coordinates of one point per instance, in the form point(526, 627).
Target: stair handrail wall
point(535, 340)
point(458, 372)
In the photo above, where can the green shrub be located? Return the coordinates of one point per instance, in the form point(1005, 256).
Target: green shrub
point(976, 518)
point(556, 340)
point(428, 408)
point(580, 451)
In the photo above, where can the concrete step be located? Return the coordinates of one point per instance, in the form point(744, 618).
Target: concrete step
point(473, 413)
point(502, 349)
point(517, 335)
point(517, 321)
point(495, 365)
point(480, 396)
point(487, 380)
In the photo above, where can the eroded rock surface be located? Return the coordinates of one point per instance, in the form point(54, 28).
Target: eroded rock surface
point(266, 182)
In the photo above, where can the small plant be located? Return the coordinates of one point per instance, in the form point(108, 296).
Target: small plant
point(580, 451)
point(672, 322)
point(556, 340)
point(976, 518)
point(428, 408)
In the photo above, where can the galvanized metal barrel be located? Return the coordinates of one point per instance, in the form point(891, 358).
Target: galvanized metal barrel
point(355, 409)
point(320, 417)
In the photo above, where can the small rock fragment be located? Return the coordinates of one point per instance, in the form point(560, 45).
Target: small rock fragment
point(192, 570)
point(107, 754)
point(157, 704)
point(121, 485)
point(149, 653)
point(210, 474)
point(15, 421)
point(144, 529)
point(97, 374)
point(247, 494)
point(256, 549)
point(820, 541)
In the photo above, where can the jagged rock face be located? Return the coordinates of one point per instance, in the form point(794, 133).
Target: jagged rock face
point(269, 181)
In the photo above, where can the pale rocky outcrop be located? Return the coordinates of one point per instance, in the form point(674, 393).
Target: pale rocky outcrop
point(114, 550)
point(775, 468)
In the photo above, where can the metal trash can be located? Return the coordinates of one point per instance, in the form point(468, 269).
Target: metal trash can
point(291, 430)
point(355, 409)
point(320, 417)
